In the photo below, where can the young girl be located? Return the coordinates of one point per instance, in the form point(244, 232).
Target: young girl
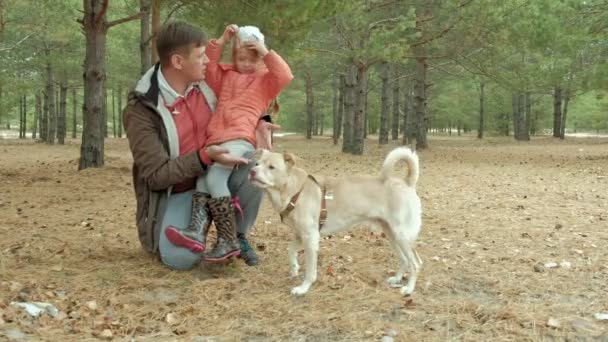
point(245, 90)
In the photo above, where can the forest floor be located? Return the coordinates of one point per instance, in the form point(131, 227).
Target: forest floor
point(494, 212)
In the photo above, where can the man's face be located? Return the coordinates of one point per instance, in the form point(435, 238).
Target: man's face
point(194, 64)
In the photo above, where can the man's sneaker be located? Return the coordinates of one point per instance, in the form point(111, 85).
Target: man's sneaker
point(247, 253)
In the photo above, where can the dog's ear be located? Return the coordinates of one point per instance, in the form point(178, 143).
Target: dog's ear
point(289, 159)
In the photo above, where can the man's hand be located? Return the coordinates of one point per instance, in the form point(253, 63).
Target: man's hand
point(222, 155)
point(257, 46)
point(229, 32)
point(263, 134)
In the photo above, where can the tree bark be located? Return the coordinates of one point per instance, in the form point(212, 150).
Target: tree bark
point(114, 113)
point(104, 105)
point(365, 116)
point(94, 24)
point(385, 105)
point(22, 117)
point(350, 82)
point(37, 109)
point(407, 128)
point(310, 122)
point(145, 49)
point(44, 117)
point(1, 107)
point(340, 106)
point(61, 118)
point(320, 122)
point(562, 128)
point(156, 7)
point(520, 131)
point(481, 108)
point(528, 115)
point(557, 111)
point(335, 86)
point(396, 105)
point(74, 112)
point(50, 92)
point(358, 142)
point(120, 111)
point(420, 101)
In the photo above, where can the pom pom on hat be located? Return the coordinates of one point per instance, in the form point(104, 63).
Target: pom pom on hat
point(250, 34)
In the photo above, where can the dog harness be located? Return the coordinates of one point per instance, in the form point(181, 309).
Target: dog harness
point(292, 204)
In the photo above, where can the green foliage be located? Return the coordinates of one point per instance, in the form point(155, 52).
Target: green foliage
point(517, 45)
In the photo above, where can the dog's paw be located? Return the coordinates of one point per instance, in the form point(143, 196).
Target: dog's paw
point(395, 281)
point(300, 290)
point(407, 290)
point(294, 272)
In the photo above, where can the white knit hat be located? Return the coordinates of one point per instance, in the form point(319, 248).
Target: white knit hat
point(250, 34)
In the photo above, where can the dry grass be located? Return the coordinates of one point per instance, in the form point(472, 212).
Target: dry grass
point(492, 210)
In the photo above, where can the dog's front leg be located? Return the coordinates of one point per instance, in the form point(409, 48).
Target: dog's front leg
point(294, 247)
point(310, 240)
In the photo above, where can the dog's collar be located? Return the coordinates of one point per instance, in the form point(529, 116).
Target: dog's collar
point(292, 204)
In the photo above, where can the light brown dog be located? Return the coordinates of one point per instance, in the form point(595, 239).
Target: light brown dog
point(385, 200)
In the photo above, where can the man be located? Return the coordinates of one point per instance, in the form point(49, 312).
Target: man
point(165, 120)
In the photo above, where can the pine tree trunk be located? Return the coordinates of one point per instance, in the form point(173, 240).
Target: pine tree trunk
point(396, 105)
point(481, 99)
point(557, 111)
point(104, 105)
point(114, 113)
point(340, 105)
point(520, 131)
point(94, 24)
point(515, 108)
point(50, 91)
point(44, 117)
point(528, 115)
point(358, 142)
point(24, 116)
point(309, 107)
point(145, 50)
point(21, 136)
point(74, 113)
point(408, 116)
point(385, 105)
point(365, 116)
point(61, 118)
point(1, 107)
point(155, 27)
point(37, 109)
point(321, 119)
point(334, 103)
point(562, 132)
point(350, 82)
point(120, 111)
point(420, 100)
point(534, 122)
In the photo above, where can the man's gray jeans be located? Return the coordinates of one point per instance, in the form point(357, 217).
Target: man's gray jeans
point(177, 214)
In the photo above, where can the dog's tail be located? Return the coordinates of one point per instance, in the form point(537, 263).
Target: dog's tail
point(396, 155)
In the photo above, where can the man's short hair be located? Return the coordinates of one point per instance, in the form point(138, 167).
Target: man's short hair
point(178, 37)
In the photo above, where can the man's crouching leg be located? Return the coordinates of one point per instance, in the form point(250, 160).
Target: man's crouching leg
point(177, 214)
point(249, 199)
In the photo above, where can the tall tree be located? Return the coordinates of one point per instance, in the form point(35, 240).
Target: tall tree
point(95, 26)
point(385, 106)
point(62, 115)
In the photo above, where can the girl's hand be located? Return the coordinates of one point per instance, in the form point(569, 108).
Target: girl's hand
point(258, 46)
point(229, 32)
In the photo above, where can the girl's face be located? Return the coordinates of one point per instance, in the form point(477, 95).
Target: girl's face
point(246, 61)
